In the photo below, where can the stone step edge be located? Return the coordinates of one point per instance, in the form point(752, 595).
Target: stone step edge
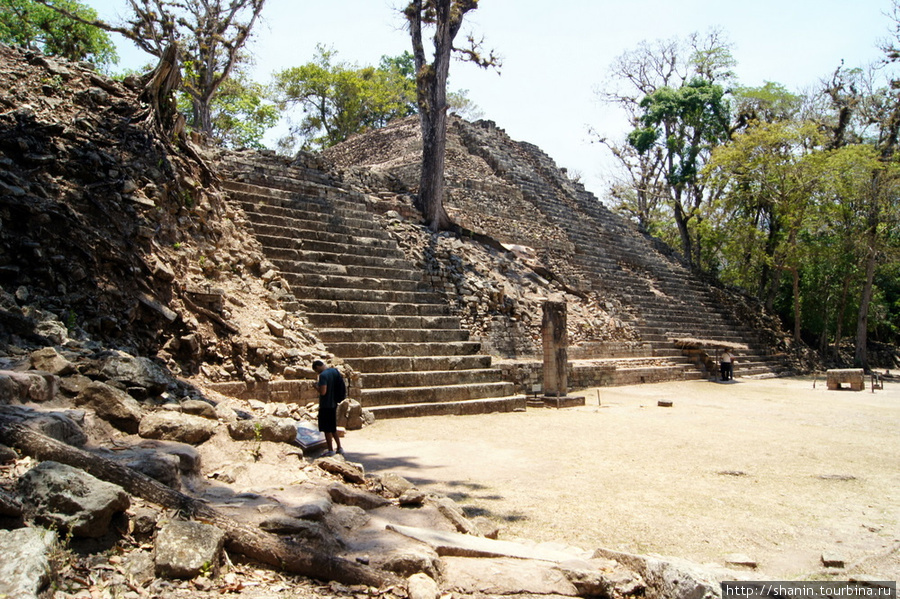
point(465, 407)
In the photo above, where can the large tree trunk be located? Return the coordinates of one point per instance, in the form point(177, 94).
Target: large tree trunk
point(431, 92)
point(250, 541)
point(862, 322)
point(842, 313)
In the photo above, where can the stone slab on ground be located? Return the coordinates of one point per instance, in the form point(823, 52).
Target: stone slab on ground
point(460, 545)
point(505, 576)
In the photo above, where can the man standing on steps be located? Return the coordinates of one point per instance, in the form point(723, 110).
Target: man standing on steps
point(332, 391)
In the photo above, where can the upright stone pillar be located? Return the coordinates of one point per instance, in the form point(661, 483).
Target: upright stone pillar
point(556, 357)
point(556, 349)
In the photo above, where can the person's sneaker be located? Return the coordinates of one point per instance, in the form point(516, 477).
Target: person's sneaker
point(340, 450)
point(327, 454)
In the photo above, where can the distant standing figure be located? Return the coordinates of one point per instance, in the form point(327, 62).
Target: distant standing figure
point(332, 391)
point(726, 364)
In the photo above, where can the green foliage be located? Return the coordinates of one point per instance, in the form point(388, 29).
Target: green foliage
point(239, 111)
point(33, 25)
point(338, 99)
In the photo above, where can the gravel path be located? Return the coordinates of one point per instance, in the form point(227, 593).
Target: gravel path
point(776, 469)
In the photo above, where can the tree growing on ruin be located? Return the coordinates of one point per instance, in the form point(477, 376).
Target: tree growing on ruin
point(208, 33)
point(446, 19)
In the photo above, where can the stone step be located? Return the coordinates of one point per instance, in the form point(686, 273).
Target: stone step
point(318, 222)
point(290, 254)
point(369, 295)
point(258, 209)
point(433, 394)
point(458, 362)
point(330, 336)
point(400, 349)
point(347, 270)
point(514, 403)
point(347, 238)
point(325, 306)
point(430, 378)
point(380, 321)
point(313, 245)
point(361, 283)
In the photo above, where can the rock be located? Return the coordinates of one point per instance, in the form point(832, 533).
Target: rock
point(739, 559)
point(61, 425)
point(422, 586)
point(173, 426)
point(349, 472)
point(7, 454)
point(74, 384)
point(451, 511)
point(833, 560)
point(412, 497)
point(161, 467)
point(139, 567)
point(505, 576)
point(188, 549)
point(10, 506)
point(486, 527)
point(49, 360)
point(197, 407)
point(25, 568)
point(136, 372)
point(395, 485)
point(420, 559)
point(315, 508)
point(23, 387)
point(113, 405)
point(276, 430)
point(295, 527)
point(347, 495)
point(70, 498)
point(673, 578)
point(350, 415)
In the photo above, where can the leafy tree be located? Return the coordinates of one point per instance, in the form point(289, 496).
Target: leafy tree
point(771, 175)
point(339, 99)
point(634, 76)
point(241, 115)
point(209, 34)
point(33, 25)
point(682, 125)
point(446, 18)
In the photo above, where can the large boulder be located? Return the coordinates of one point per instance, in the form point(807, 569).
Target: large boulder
point(164, 461)
point(188, 549)
point(174, 426)
point(136, 372)
point(71, 499)
point(113, 405)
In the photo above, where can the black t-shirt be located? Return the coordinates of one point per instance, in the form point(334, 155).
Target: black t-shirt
point(335, 392)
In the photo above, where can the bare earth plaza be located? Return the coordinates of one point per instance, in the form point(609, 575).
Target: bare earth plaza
point(772, 470)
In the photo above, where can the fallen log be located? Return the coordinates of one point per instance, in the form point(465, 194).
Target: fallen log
point(284, 554)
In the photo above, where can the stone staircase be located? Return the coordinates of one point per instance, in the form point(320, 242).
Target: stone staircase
point(366, 301)
point(666, 300)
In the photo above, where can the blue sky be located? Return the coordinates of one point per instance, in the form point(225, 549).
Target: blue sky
point(555, 59)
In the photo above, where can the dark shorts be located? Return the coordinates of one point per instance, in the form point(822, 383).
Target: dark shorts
point(328, 420)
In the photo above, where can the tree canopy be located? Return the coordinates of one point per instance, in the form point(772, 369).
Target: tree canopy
point(34, 25)
point(338, 99)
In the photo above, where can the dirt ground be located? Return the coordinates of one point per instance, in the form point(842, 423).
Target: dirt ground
point(779, 470)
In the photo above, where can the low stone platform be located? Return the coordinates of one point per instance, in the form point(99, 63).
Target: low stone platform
point(852, 376)
point(566, 401)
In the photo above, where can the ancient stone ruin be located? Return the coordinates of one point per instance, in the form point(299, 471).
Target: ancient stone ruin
point(162, 301)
